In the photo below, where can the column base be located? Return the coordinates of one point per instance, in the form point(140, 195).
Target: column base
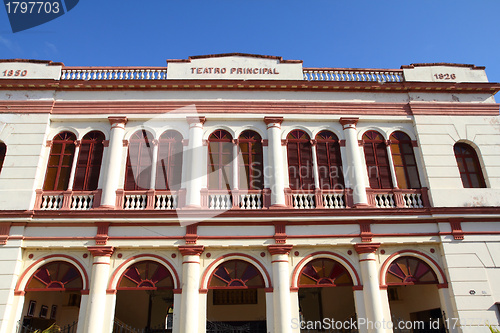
point(279, 206)
point(192, 207)
point(105, 207)
point(361, 205)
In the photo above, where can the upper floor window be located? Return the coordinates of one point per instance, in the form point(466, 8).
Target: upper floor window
point(88, 165)
point(220, 156)
point(250, 163)
point(139, 160)
point(329, 161)
point(169, 165)
point(403, 158)
point(468, 165)
point(300, 166)
point(3, 152)
point(60, 162)
point(377, 160)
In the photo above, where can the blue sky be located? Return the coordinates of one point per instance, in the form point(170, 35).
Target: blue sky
point(322, 33)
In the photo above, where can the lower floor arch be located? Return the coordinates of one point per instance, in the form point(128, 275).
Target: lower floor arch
point(52, 298)
point(413, 295)
point(236, 298)
point(144, 298)
point(325, 294)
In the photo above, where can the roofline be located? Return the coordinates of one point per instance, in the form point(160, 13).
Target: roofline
point(449, 64)
point(236, 54)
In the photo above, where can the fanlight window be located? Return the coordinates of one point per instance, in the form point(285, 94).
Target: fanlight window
point(55, 276)
point(377, 160)
point(169, 166)
point(139, 159)
point(60, 162)
point(410, 270)
point(468, 165)
point(148, 275)
point(403, 158)
point(220, 157)
point(236, 274)
point(250, 161)
point(329, 161)
point(3, 152)
point(300, 167)
point(89, 162)
point(324, 272)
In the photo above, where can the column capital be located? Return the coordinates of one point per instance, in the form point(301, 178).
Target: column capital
point(196, 120)
point(348, 122)
point(191, 250)
point(279, 249)
point(117, 121)
point(101, 251)
point(366, 248)
point(273, 120)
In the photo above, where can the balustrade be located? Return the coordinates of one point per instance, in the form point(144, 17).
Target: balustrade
point(354, 75)
point(114, 73)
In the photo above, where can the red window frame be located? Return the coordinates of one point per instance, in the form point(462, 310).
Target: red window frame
point(324, 272)
point(377, 160)
point(220, 157)
point(146, 275)
point(300, 166)
point(3, 152)
point(330, 171)
point(88, 165)
point(55, 276)
point(469, 166)
point(169, 165)
point(250, 163)
point(236, 274)
point(404, 161)
point(60, 162)
point(139, 161)
point(409, 270)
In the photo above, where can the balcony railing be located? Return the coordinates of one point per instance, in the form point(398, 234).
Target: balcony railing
point(67, 200)
point(354, 75)
point(235, 199)
point(318, 198)
point(150, 199)
point(398, 198)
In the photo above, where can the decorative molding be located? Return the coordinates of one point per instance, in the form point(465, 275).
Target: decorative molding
point(280, 232)
point(118, 121)
point(4, 232)
point(366, 248)
point(279, 249)
point(102, 237)
point(191, 250)
point(273, 120)
point(105, 143)
point(196, 120)
point(365, 231)
point(456, 229)
point(348, 122)
point(101, 251)
point(191, 234)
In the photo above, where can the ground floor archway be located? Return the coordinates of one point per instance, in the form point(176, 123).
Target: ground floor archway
point(413, 295)
point(236, 299)
point(144, 298)
point(52, 296)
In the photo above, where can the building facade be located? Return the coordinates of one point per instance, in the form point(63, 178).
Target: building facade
point(240, 192)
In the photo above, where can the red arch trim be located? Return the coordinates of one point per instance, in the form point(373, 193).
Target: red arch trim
point(344, 261)
point(162, 260)
point(389, 260)
point(220, 259)
point(72, 261)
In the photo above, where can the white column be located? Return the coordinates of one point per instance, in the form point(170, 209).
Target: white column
point(82, 314)
point(359, 304)
point(195, 167)
point(154, 162)
point(355, 166)
point(275, 158)
point(391, 165)
point(96, 310)
point(371, 287)
point(294, 302)
point(177, 311)
point(73, 165)
point(114, 165)
point(190, 298)
point(234, 165)
point(447, 307)
point(315, 165)
point(281, 281)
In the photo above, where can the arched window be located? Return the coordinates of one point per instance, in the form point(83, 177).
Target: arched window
point(55, 276)
point(236, 274)
point(403, 158)
point(139, 159)
point(146, 275)
point(250, 162)
point(88, 165)
point(408, 271)
point(3, 152)
point(377, 161)
point(60, 162)
point(300, 167)
point(169, 166)
point(468, 165)
point(329, 161)
point(324, 272)
point(220, 156)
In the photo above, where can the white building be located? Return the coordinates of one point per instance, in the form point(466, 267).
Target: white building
point(246, 192)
